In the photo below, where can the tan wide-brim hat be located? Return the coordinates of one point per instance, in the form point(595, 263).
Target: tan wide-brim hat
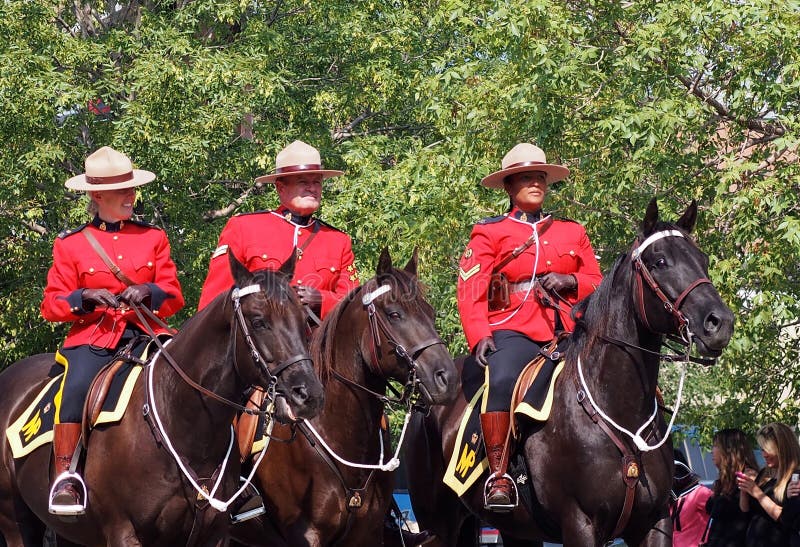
point(107, 169)
point(525, 157)
point(296, 159)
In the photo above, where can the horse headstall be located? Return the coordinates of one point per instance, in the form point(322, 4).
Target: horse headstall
point(671, 306)
point(273, 374)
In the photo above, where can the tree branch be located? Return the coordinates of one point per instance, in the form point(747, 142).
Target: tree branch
point(227, 210)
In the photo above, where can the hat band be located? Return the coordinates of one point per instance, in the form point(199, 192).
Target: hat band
point(125, 177)
point(294, 168)
point(524, 164)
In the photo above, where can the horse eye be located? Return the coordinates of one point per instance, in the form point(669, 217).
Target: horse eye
point(259, 323)
point(394, 315)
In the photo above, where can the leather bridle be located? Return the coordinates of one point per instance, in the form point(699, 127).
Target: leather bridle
point(240, 323)
point(644, 276)
point(381, 330)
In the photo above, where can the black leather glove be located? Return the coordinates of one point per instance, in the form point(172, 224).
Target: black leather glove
point(559, 282)
point(135, 295)
point(91, 298)
point(309, 296)
point(483, 348)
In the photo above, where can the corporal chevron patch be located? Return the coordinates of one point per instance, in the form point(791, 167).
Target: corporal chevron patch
point(468, 273)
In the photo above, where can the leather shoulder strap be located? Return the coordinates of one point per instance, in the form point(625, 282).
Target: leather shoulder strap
point(106, 259)
point(528, 242)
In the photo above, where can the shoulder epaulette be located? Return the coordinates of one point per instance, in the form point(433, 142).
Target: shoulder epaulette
point(492, 220)
point(144, 224)
point(329, 226)
point(71, 231)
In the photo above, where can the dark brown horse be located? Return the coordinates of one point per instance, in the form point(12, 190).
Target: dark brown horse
point(573, 467)
point(317, 495)
point(140, 475)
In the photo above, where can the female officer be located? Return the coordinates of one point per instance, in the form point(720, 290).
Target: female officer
point(534, 253)
point(98, 271)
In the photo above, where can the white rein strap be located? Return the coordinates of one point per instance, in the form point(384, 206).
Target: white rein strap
point(217, 504)
point(391, 465)
point(637, 439)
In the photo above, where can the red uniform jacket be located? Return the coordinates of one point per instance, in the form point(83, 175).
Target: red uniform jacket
point(563, 248)
point(266, 239)
point(142, 253)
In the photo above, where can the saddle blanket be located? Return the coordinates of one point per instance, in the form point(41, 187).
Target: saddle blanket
point(34, 427)
point(468, 460)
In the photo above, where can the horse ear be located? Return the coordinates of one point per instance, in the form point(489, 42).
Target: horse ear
point(384, 262)
point(241, 275)
point(287, 267)
point(411, 267)
point(689, 218)
point(650, 218)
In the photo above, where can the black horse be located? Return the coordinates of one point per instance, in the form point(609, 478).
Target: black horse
point(151, 482)
point(591, 477)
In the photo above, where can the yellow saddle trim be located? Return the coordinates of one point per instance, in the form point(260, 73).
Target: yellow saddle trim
point(541, 414)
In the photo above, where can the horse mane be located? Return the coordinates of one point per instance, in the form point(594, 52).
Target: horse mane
point(405, 288)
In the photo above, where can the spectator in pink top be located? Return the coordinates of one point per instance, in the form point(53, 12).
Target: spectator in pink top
point(688, 509)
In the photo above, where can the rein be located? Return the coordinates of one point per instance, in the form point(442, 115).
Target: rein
point(378, 328)
point(630, 460)
point(272, 376)
point(160, 430)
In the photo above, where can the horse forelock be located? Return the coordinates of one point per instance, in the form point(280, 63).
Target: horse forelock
point(275, 287)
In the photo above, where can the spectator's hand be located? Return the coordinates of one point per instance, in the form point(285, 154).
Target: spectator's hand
point(558, 282)
point(135, 295)
point(309, 296)
point(483, 348)
point(90, 298)
point(793, 489)
point(746, 483)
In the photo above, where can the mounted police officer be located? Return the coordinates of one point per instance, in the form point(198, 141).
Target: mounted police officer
point(512, 276)
point(325, 269)
point(99, 270)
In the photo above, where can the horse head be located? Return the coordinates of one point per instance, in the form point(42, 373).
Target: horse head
point(673, 293)
point(402, 342)
point(272, 329)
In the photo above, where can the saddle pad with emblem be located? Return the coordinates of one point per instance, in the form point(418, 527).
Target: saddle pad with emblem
point(533, 397)
point(34, 427)
point(468, 460)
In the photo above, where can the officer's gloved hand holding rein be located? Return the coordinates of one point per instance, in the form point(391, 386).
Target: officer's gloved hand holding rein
point(310, 297)
point(135, 295)
point(559, 282)
point(91, 298)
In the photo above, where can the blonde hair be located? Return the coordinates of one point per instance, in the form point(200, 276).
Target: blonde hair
point(780, 439)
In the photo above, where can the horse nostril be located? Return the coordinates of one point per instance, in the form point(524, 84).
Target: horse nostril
point(440, 377)
point(300, 394)
point(712, 323)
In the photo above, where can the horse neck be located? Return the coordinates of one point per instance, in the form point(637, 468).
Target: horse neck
point(620, 375)
point(202, 349)
point(352, 413)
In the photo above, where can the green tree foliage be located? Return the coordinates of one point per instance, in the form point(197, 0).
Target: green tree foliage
point(417, 101)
